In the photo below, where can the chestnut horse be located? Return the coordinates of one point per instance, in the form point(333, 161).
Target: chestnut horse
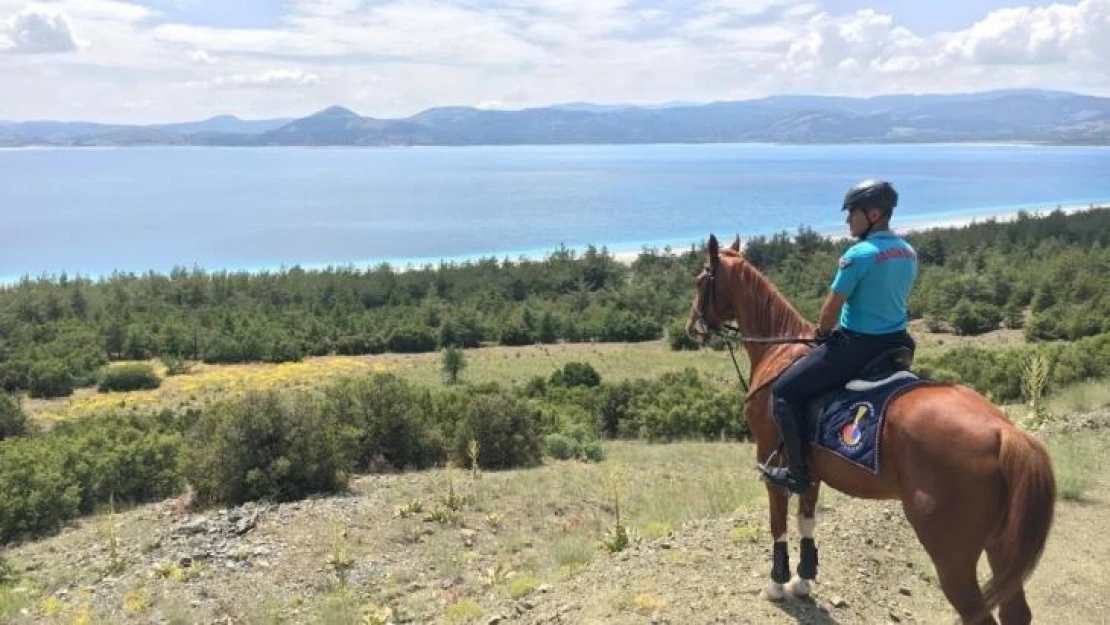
point(969, 479)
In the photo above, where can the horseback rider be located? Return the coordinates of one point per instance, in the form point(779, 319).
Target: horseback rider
point(864, 315)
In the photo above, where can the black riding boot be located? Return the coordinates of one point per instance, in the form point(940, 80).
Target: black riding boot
point(796, 477)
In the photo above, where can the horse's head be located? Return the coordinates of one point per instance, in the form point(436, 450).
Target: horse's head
point(710, 308)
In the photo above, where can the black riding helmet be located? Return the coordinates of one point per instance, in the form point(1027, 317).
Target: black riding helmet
point(871, 194)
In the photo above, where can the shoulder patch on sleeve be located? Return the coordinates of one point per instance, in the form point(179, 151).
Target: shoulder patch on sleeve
point(845, 261)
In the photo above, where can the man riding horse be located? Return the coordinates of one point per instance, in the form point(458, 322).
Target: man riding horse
point(864, 316)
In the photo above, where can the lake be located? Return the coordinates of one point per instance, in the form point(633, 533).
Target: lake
point(92, 211)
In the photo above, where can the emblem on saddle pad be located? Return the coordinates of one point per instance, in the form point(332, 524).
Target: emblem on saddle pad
point(849, 423)
point(852, 432)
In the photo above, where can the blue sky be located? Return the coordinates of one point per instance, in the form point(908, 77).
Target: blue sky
point(170, 60)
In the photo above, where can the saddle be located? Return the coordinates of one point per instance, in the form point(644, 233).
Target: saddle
point(848, 420)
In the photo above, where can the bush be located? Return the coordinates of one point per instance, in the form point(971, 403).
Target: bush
point(453, 362)
point(411, 339)
point(678, 339)
point(358, 344)
point(560, 447)
point(79, 465)
point(592, 451)
point(516, 333)
point(124, 458)
point(387, 422)
point(506, 428)
point(15, 375)
point(129, 377)
point(977, 318)
point(683, 405)
point(176, 365)
point(13, 422)
point(51, 378)
point(576, 374)
point(264, 446)
point(36, 494)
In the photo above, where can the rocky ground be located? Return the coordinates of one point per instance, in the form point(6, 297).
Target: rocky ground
point(373, 557)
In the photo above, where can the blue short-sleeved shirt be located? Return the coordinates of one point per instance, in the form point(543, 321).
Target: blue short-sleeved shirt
point(875, 277)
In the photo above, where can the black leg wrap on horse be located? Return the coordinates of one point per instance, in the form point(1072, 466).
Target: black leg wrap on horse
point(807, 568)
point(780, 569)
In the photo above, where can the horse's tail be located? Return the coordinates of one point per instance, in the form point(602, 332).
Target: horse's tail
point(1027, 517)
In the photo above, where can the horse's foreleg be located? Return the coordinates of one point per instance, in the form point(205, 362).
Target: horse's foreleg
point(800, 586)
point(780, 557)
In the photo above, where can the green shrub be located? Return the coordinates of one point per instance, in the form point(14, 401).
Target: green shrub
point(265, 446)
point(461, 332)
point(13, 422)
point(681, 405)
point(614, 408)
point(283, 350)
point(560, 447)
point(627, 326)
point(36, 494)
point(411, 339)
point(576, 374)
point(82, 464)
point(592, 451)
point(679, 339)
point(176, 365)
point(969, 319)
point(387, 422)
point(506, 428)
point(358, 344)
point(453, 361)
point(15, 375)
point(516, 333)
point(129, 377)
point(51, 378)
point(122, 457)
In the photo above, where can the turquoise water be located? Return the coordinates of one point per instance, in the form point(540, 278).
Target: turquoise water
point(92, 211)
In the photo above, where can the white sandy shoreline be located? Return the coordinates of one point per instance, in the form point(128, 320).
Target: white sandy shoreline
point(911, 225)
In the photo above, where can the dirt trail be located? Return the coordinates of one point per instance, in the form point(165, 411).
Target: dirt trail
point(871, 571)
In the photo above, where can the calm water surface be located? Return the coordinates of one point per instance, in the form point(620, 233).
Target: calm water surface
point(92, 211)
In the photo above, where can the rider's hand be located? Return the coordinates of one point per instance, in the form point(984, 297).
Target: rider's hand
point(821, 337)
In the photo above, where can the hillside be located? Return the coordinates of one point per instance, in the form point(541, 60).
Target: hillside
point(523, 547)
point(1011, 115)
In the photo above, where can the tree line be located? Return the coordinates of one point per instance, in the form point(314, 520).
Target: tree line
point(1048, 274)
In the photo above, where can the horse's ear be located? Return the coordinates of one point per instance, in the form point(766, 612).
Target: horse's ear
point(714, 249)
point(735, 244)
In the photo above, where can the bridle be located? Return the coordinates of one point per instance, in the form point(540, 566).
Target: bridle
point(707, 292)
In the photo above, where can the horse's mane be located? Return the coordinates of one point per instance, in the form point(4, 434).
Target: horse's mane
point(765, 307)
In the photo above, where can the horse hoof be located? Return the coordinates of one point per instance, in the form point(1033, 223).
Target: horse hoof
point(799, 587)
point(773, 592)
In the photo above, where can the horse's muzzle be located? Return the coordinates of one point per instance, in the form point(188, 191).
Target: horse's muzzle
point(698, 331)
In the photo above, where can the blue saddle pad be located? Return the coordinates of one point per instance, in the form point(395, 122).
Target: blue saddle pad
point(851, 421)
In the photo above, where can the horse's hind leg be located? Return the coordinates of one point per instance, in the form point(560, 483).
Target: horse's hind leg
point(1014, 610)
point(960, 584)
point(800, 586)
point(954, 542)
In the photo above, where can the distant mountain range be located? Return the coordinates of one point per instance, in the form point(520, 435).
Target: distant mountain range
point(1005, 116)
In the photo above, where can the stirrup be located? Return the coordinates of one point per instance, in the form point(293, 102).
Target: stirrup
point(781, 476)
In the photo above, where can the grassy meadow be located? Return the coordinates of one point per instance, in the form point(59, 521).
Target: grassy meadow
point(505, 365)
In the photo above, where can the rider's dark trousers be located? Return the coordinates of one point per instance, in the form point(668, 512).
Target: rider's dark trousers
point(827, 367)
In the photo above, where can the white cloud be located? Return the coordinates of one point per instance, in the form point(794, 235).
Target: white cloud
point(1026, 35)
point(863, 40)
point(396, 57)
point(202, 56)
point(274, 78)
point(33, 31)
